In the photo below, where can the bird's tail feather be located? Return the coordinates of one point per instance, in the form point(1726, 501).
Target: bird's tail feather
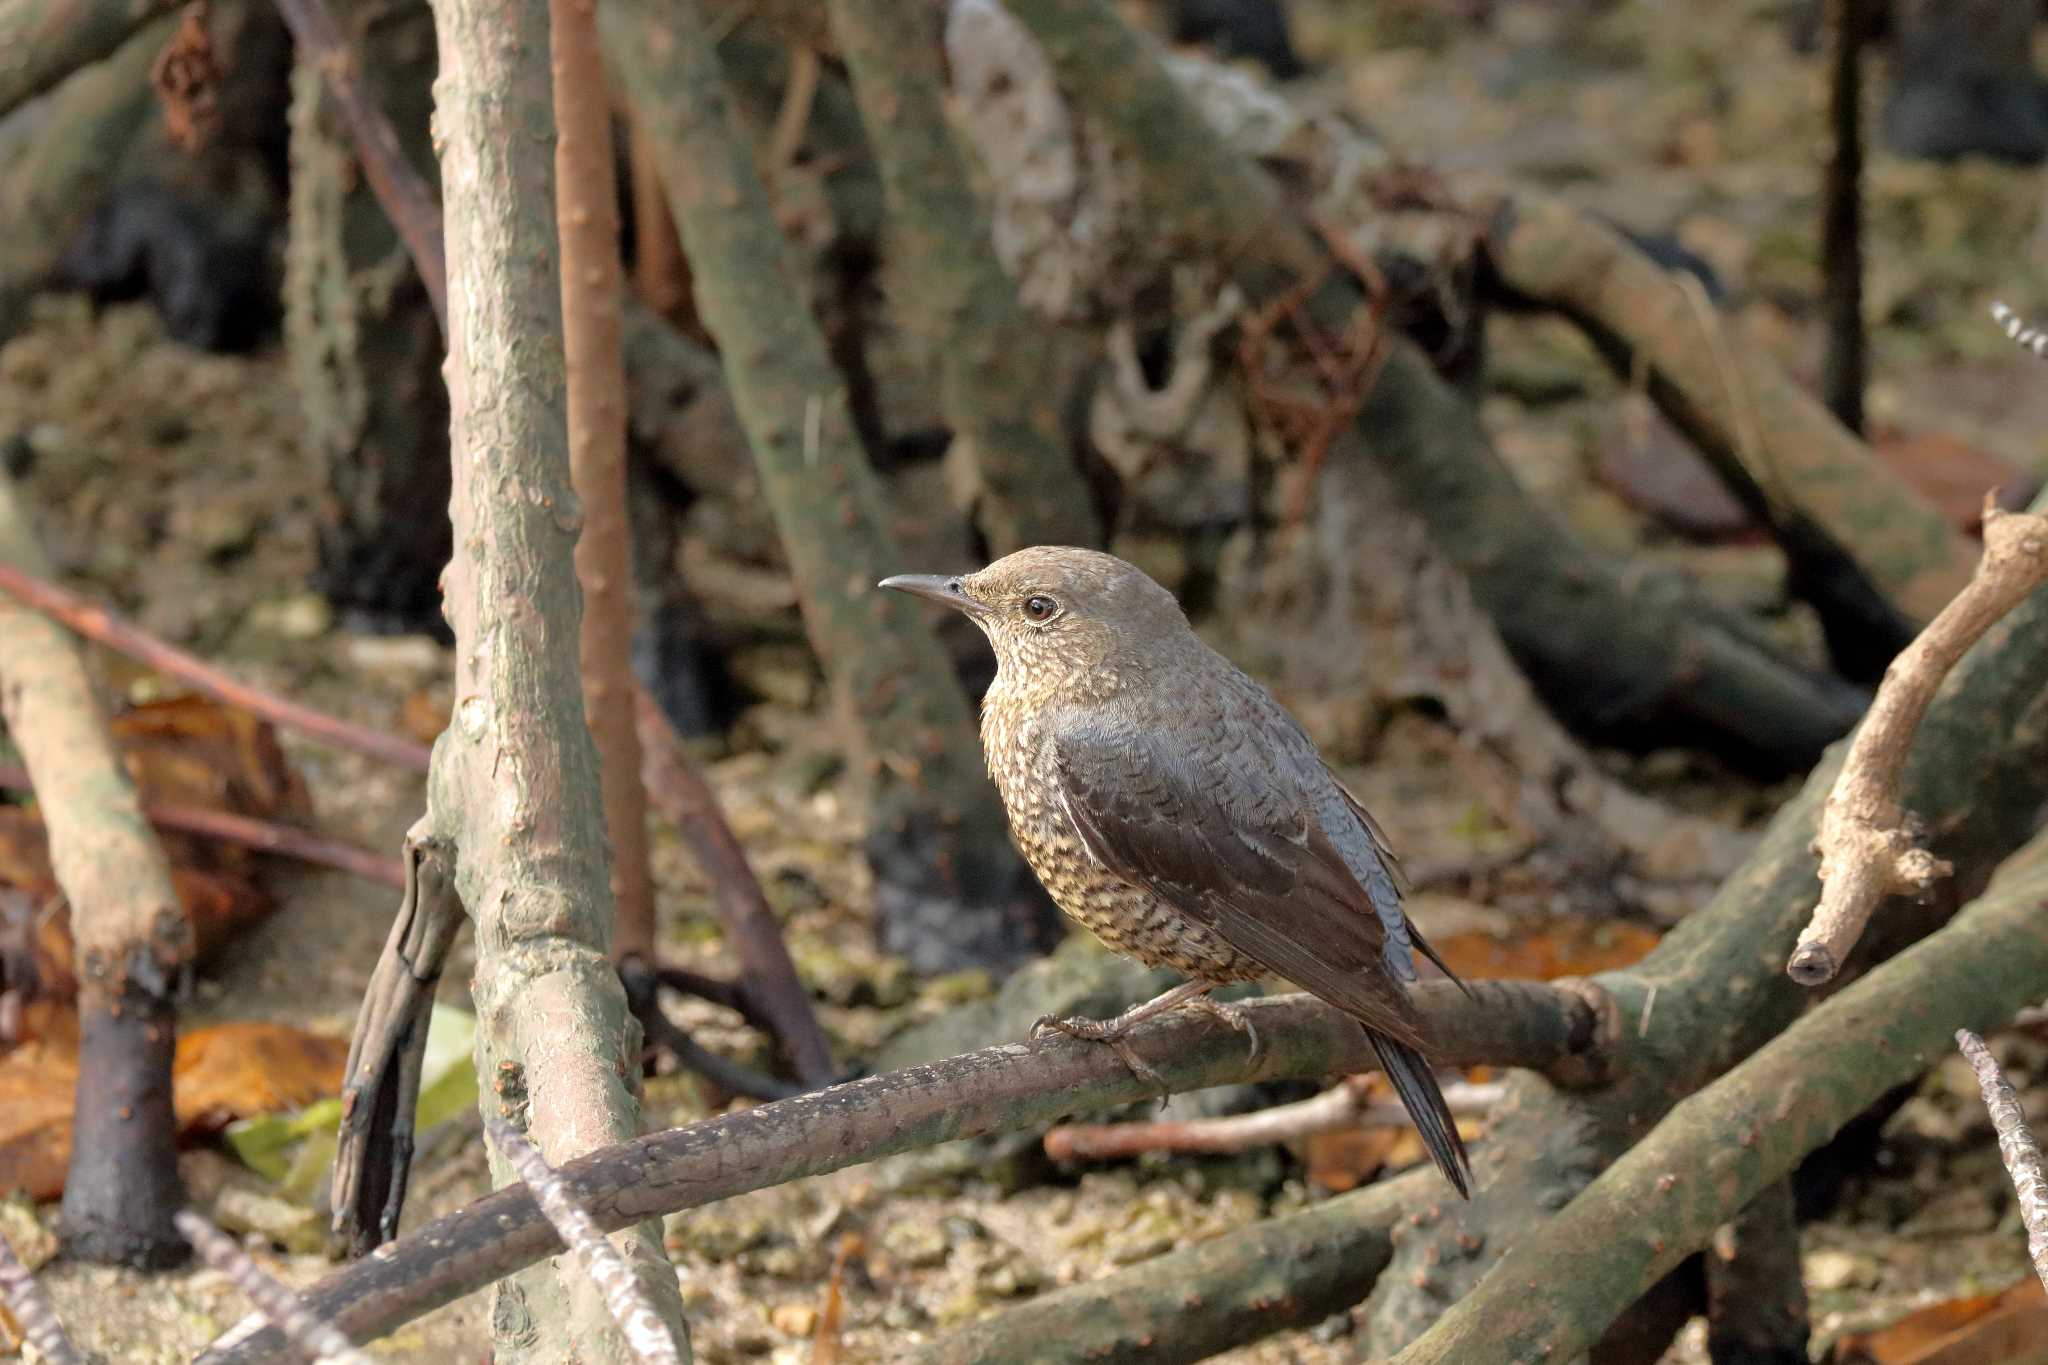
point(1415, 1083)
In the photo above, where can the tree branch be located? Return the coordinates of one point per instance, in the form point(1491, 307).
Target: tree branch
point(96, 623)
point(263, 836)
point(406, 198)
point(380, 1089)
point(2016, 1146)
point(1608, 646)
point(1000, 1089)
point(31, 1306)
point(1867, 851)
point(319, 1339)
point(593, 350)
point(132, 944)
point(1344, 1105)
point(1189, 1305)
point(1718, 1149)
point(997, 396)
point(515, 787)
point(43, 41)
point(640, 1324)
point(767, 973)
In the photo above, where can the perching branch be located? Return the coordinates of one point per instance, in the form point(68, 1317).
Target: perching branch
point(133, 945)
point(1867, 849)
point(31, 1306)
point(1348, 1104)
point(96, 623)
point(767, 973)
point(1000, 1089)
point(646, 1336)
point(407, 200)
point(319, 1339)
point(2016, 1146)
point(1718, 1149)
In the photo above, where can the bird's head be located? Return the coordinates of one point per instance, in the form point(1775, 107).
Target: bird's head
point(1058, 616)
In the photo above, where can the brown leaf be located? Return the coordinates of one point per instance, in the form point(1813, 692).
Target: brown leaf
point(1349, 1157)
point(236, 1071)
point(1955, 475)
point(1991, 1329)
point(1543, 950)
point(221, 1073)
point(36, 1084)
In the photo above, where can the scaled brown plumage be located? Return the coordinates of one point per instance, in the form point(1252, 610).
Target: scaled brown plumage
point(1171, 806)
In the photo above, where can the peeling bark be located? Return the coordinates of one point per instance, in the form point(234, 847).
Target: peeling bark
point(514, 786)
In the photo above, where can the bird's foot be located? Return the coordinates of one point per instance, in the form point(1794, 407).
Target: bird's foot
point(1231, 1014)
point(1110, 1031)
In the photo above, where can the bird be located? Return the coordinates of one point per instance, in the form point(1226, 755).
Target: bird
point(1170, 805)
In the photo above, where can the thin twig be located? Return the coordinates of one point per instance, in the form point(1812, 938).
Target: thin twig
point(407, 200)
point(96, 623)
point(1867, 848)
point(679, 792)
point(1344, 1105)
point(2020, 330)
point(2016, 1146)
point(640, 1326)
point(639, 984)
point(26, 1298)
point(286, 1310)
point(264, 836)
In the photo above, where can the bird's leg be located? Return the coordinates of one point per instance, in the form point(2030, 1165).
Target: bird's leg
point(1114, 1030)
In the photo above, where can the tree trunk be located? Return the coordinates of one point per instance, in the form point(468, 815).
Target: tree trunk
point(133, 945)
point(514, 786)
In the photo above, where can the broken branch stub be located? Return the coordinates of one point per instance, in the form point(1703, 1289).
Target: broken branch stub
point(1867, 845)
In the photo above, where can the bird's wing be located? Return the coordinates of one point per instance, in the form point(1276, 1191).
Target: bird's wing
point(1214, 821)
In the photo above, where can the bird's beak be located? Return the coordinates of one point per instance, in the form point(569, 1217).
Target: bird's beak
point(936, 588)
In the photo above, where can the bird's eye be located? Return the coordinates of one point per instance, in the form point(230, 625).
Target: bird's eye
point(1040, 608)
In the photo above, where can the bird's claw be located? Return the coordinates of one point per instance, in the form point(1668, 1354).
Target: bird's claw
point(1101, 1031)
point(1233, 1015)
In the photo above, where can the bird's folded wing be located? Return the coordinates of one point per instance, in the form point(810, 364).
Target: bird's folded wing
point(1214, 822)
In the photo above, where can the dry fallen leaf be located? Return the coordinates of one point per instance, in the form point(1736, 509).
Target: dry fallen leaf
point(1991, 1329)
point(1543, 950)
point(221, 1073)
point(238, 1070)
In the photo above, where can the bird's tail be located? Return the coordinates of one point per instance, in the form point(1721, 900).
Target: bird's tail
point(1415, 1083)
